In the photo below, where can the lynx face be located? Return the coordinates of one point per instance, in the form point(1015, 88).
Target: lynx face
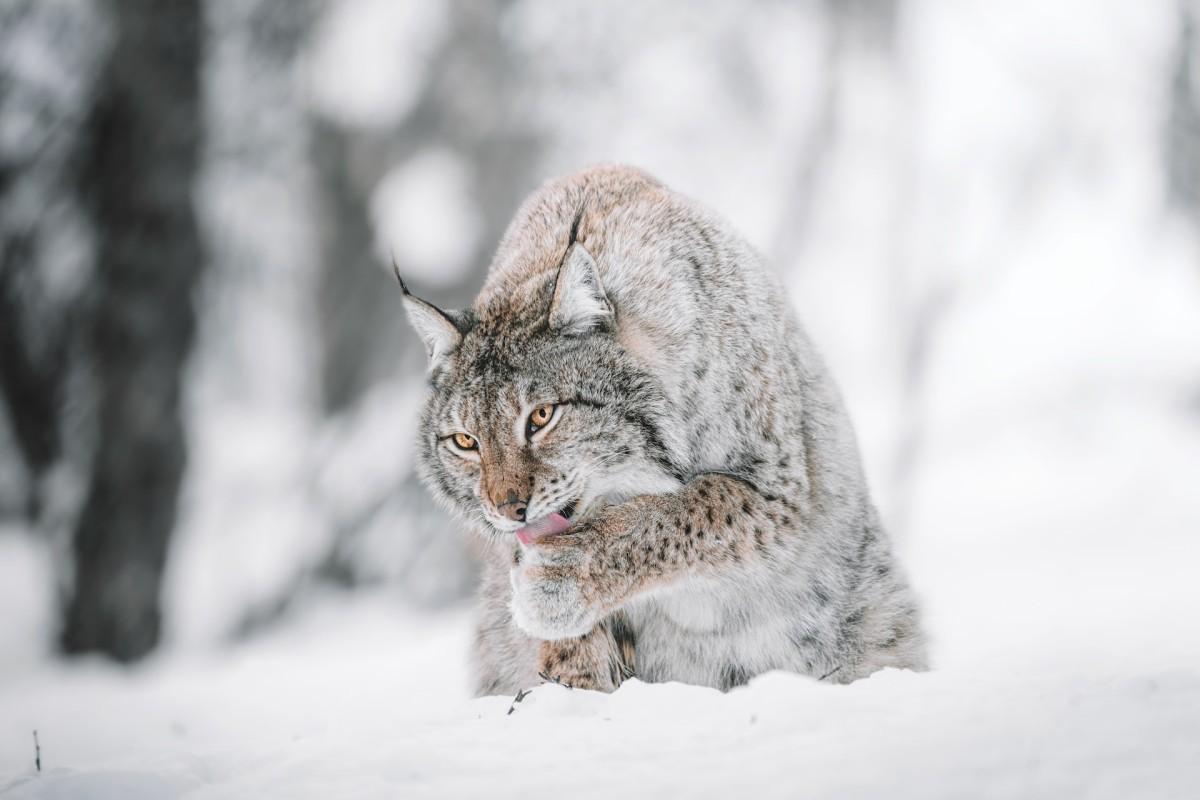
point(536, 409)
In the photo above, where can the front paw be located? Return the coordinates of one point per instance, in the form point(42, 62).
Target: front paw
point(553, 597)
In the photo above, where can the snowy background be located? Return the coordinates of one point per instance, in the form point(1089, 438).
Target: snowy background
point(987, 215)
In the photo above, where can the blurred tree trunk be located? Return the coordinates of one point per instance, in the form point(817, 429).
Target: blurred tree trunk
point(43, 235)
point(853, 27)
point(352, 301)
point(1183, 121)
point(142, 156)
point(30, 375)
point(472, 106)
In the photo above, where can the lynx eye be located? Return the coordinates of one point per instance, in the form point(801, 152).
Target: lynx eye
point(539, 418)
point(464, 442)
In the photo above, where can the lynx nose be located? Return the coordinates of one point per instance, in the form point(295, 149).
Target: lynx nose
point(513, 507)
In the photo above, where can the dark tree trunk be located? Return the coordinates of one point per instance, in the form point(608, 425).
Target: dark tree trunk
point(30, 385)
point(143, 151)
point(42, 235)
point(1183, 122)
point(471, 105)
point(355, 311)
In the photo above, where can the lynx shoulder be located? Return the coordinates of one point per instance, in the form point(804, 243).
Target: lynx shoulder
point(659, 463)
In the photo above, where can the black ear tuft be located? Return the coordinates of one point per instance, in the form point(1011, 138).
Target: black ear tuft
point(573, 237)
point(396, 270)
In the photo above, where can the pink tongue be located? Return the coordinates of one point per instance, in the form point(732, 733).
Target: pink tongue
point(549, 525)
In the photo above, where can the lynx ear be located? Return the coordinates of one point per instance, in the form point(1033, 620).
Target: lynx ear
point(579, 303)
point(438, 329)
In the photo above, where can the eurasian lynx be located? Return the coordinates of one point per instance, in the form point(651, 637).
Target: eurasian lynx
point(662, 468)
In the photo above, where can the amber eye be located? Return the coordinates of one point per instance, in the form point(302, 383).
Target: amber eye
point(540, 417)
point(464, 442)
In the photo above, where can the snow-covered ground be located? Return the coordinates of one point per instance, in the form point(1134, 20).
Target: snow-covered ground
point(355, 703)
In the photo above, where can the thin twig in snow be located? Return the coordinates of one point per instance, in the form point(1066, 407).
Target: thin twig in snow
point(521, 695)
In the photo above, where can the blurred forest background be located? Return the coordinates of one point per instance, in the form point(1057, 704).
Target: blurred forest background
point(987, 215)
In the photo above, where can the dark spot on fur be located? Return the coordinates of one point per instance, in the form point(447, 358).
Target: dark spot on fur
point(729, 519)
point(802, 640)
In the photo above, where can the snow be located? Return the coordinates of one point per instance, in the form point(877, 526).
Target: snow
point(356, 700)
point(26, 593)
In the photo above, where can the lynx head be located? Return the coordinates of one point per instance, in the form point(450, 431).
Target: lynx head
point(534, 406)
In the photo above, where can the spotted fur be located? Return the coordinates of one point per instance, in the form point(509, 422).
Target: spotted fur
point(722, 524)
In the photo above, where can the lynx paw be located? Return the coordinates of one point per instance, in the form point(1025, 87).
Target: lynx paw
point(552, 598)
point(588, 662)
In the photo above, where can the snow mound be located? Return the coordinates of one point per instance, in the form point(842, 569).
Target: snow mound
point(355, 699)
